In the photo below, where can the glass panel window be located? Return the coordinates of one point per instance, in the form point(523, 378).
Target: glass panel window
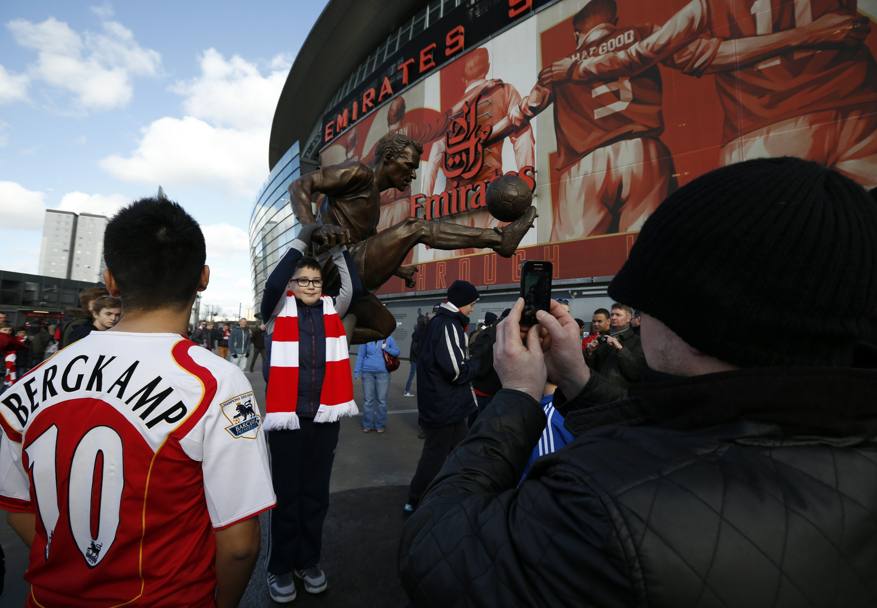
point(50, 294)
point(418, 25)
point(31, 292)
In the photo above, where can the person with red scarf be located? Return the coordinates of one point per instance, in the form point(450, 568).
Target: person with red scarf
point(9, 347)
point(309, 389)
point(599, 327)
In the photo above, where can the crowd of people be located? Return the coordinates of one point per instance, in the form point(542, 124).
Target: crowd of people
point(663, 457)
point(24, 347)
point(243, 344)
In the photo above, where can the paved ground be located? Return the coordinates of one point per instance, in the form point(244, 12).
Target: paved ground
point(369, 486)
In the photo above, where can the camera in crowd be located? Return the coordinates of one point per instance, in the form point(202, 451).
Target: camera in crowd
point(602, 339)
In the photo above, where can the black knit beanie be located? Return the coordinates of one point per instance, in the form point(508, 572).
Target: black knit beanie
point(765, 262)
point(461, 293)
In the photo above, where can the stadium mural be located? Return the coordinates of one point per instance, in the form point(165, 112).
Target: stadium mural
point(604, 107)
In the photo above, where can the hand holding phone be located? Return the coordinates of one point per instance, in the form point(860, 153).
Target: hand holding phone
point(535, 290)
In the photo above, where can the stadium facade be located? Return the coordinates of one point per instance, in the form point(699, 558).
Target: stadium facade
point(602, 153)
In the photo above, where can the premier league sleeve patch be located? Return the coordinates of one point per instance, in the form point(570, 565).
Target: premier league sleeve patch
point(243, 414)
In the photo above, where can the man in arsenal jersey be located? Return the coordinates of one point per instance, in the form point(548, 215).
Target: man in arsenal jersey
point(794, 77)
point(134, 463)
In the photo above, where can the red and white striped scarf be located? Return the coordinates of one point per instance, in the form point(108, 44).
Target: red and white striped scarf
point(9, 369)
point(336, 394)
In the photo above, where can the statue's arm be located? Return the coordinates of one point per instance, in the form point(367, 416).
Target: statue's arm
point(342, 180)
point(300, 193)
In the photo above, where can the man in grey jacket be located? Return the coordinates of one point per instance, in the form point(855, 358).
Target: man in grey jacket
point(239, 342)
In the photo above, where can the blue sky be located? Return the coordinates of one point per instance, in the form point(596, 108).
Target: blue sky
point(100, 102)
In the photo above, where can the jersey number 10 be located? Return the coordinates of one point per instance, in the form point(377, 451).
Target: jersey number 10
point(43, 462)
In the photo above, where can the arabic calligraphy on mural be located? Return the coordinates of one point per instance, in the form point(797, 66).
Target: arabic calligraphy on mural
point(464, 151)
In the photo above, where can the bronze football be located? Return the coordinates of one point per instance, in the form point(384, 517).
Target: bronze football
point(508, 198)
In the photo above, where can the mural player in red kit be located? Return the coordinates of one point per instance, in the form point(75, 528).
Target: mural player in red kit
point(615, 170)
point(491, 100)
point(425, 127)
point(485, 105)
point(780, 97)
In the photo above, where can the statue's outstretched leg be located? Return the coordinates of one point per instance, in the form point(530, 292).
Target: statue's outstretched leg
point(373, 320)
point(407, 273)
point(379, 257)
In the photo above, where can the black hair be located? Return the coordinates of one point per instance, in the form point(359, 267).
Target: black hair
point(580, 322)
point(155, 251)
point(601, 311)
point(605, 8)
point(307, 262)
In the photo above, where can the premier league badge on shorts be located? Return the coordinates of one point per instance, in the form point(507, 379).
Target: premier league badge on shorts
point(241, 411)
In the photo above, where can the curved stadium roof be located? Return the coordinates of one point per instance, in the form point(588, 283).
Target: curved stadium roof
point(344, 34)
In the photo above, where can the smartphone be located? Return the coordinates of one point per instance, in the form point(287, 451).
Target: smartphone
point(535, 289)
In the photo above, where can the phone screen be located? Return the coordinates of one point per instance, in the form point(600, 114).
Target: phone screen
point(535, 289)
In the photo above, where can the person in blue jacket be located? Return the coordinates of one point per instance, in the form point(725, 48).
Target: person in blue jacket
point(375, 382)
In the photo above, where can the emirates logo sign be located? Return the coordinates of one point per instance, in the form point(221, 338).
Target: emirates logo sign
point(464, 152)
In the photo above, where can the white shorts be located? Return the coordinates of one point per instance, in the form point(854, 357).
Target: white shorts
point(612, 189)
point(845, 140)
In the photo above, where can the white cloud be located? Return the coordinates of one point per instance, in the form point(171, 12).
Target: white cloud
point(224, 240)
point(187, 151)
point(20, 208)
point(233, 92)
point(104, 11)
point(13, 87)
point(230, 283)
point(222, 141)
point(95, 67)
point(26, 262)
point(281, 62)
point(80, 202)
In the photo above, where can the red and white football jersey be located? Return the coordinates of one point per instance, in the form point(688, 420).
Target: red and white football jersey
point(593, 114)
point(131, 449)
point(793, 83)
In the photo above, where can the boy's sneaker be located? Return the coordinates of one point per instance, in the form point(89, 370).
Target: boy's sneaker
point(281, 587)
point(314, 579)
point(407, 394)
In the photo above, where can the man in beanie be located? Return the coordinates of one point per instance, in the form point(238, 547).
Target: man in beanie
point(744, 473)
point(444, 392)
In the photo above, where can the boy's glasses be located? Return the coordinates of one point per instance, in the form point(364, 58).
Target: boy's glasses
point(305, 282)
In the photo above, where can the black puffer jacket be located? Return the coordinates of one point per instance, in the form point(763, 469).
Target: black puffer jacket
point(621, 367)
point(741, 489)
point(444, 372)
